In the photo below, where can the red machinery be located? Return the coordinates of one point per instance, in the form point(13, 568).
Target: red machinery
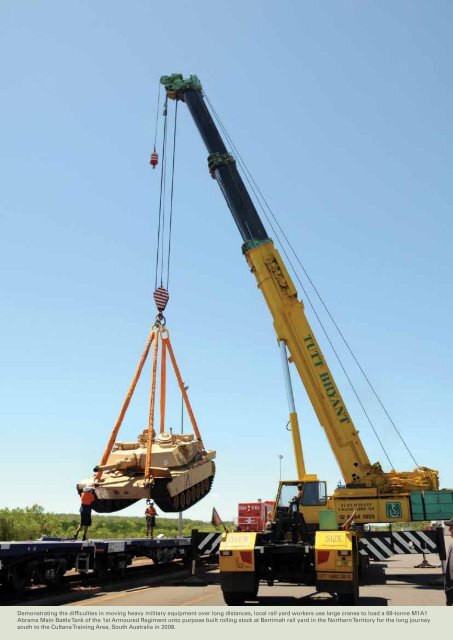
point(252, 516)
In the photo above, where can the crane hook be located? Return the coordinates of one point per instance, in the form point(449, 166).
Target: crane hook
point(161, 297)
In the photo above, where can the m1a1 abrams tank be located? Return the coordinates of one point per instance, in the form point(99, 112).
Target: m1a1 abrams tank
point(182, 472)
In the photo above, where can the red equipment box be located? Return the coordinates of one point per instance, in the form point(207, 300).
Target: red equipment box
point(252, 516)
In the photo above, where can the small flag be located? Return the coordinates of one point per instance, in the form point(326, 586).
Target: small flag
point(216, 520)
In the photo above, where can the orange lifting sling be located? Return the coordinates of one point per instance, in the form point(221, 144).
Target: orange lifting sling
point(157, 334)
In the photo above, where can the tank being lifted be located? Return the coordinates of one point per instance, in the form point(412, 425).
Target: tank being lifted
point(175, 470)
point(182, 472)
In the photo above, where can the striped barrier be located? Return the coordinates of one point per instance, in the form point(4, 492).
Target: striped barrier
point(381, 545)
point(208, 543)
point(377, 545)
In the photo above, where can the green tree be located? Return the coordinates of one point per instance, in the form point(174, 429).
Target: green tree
point(33, 522)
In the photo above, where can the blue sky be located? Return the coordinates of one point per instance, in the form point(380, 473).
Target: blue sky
point(342, 111)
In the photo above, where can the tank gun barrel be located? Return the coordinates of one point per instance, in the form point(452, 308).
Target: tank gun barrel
point(119, 464)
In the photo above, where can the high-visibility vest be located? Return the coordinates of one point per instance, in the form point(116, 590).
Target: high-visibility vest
point(87, 498)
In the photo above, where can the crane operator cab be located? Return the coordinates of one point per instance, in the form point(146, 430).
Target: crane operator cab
point(296, 514)
point(306, 494)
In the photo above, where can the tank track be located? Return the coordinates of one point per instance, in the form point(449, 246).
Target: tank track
point(110, 506)
point(181, 501)
point(160, 495)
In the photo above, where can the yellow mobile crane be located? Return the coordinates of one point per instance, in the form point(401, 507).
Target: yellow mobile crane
point(290, 550)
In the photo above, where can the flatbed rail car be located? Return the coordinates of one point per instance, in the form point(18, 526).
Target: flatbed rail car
point(46, 561)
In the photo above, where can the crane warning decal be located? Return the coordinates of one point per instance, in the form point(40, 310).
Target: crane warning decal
point(237, 552)
point(323, 575)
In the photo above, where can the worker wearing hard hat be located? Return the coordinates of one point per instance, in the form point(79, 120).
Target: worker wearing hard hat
point(87, 498)
point(150, 515)
point(449, 568)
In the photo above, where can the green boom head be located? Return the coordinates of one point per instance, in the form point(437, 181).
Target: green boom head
point(175, 84)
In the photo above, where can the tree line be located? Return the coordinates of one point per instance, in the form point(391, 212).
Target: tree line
point(33, 522)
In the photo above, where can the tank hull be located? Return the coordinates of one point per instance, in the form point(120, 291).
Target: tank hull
point(181, 473)
point(172, 490)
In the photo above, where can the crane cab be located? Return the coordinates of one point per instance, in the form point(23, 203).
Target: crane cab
point(306, 497)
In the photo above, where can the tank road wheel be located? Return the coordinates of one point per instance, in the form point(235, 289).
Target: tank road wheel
point(182, 500)
point(188, 498)
point(197, 491)
point(110, 506)
point(176, 502)
point(193, 494)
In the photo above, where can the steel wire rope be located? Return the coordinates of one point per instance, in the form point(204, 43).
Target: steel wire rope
point(157, 116)
point(259, 197)
point(161, 202)
point(171, 195)
point(164, 198)
point(161, 198)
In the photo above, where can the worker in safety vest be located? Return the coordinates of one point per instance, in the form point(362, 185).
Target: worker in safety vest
point(87, 498)
point(150, 515)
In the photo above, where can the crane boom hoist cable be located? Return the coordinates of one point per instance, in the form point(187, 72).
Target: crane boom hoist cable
point(174, 469)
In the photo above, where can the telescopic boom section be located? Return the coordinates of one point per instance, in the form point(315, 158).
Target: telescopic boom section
point(220, 161)
point(290, 322)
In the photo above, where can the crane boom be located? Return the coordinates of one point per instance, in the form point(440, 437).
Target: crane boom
point(290, 322)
